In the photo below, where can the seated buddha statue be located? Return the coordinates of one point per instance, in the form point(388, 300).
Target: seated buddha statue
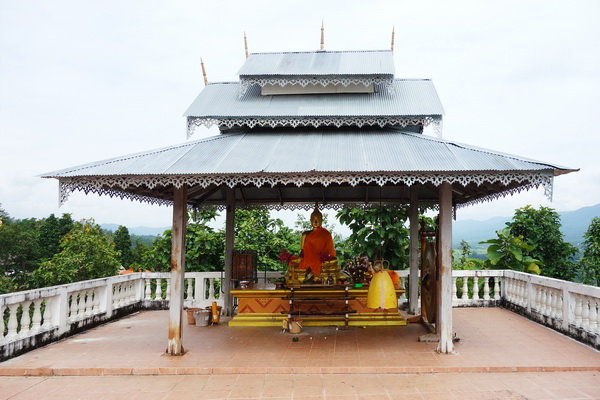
point(317, 253)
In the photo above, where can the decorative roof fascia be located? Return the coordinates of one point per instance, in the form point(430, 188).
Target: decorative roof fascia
point(424, 120)
point(116, 186)
point(387, 81)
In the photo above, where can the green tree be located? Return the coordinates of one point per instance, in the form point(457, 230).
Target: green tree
point(378, 232)
point(461, 258)
point(205, 248)
point(19, 252)
point(508, 252)
point(122, 242)
point(589, 265)
point(86, 253)
point(541, 229)
point(51, 231)
point(256, 230)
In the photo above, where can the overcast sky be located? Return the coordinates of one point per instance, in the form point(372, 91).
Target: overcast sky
point(81, 81)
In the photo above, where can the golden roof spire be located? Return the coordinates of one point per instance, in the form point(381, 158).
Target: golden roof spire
point(392, 39)
point(246, 44)
point(322, 35)
point(203, 72)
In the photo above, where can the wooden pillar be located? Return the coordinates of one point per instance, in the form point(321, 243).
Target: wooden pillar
point(175, 346)
point(229, 238)
point(444, 320)
point(413, 280)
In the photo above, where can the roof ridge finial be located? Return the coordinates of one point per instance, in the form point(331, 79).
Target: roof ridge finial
point(246, 44)
point(204, 72)
point(322, 35)
point(393, 29)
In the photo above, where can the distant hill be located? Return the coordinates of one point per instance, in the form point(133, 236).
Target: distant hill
point(137, 230)
point(574, 225)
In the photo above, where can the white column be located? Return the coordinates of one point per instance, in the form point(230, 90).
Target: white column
point(229, 236)
point(413, 279)
point(175, 346)
point(444, 320)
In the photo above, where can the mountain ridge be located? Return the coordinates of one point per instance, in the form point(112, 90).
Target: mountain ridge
point(574, 225)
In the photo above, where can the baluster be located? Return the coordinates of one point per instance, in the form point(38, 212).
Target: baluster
point(73, 307)
point(116, 294)
point(522, 293)
point(47, 317)
point(542, 300)
point(168, 290)
point(465, 288)
point(124, 294)
point(538, 298)
point(551, 303)
point(130, 293)
point(555, 299)
point(211, 288)
point(593, 315)
point(25, 319)
point(585, 313)
point(475, 288)
point(123, 298)
point(486, 288)
point(497, 288)
point(509, 289)
point(454, 290)
point(2, 308)
point(89, 302)
point(158, 290)
point(148, 289)
point(36, 321)
point(578, 311)
point(12, 321)
point(190, 290)
point(81, 308)
point(96, 302)
point(559, 305)
point(403, 295)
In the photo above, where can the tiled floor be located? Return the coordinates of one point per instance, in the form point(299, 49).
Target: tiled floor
point(500, 356)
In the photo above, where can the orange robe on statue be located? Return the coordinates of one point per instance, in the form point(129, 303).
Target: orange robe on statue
point(317, 243)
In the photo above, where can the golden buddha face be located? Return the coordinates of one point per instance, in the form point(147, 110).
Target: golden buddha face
point(316, 219)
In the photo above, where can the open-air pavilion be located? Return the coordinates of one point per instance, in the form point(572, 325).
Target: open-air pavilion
point(300, 128)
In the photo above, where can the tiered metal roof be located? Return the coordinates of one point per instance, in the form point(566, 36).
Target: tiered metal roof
point(290, 150)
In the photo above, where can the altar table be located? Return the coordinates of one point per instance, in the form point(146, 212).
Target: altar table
point(264, 305)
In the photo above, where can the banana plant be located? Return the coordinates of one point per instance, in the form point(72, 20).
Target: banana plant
point(506, 252)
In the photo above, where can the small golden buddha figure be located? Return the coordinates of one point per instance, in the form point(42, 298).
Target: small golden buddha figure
point(318, 254)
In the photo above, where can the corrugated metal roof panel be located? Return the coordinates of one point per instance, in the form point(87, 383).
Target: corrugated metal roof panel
point(308, 150)
point(319, 63)
point(408, 97)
